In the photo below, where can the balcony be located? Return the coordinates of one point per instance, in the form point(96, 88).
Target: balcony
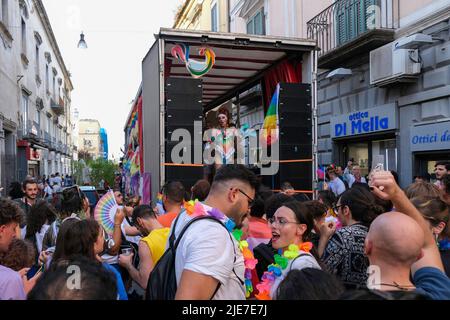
point(349, 28)
point(57, 107)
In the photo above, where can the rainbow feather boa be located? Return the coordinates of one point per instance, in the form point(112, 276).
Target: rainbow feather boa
point(274, 270)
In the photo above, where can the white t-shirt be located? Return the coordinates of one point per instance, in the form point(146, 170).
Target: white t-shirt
point(352, 180)
point(49, 191)
point(40, 236)
point(57, 180)
point(303, 262)
point(207, 248)
point(337, 186)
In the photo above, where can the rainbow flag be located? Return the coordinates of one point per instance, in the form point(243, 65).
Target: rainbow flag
point(271, 120)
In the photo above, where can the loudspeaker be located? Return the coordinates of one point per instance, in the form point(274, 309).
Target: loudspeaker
point(183, 107)
point(188, 176)
point(295, 137)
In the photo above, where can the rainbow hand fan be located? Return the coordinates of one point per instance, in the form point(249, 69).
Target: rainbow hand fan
point(105, 211)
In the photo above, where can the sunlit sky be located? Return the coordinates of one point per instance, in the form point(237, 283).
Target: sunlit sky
point(107, 75)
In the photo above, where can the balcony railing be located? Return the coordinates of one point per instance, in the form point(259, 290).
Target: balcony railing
point(347, 20)
point(57, 106)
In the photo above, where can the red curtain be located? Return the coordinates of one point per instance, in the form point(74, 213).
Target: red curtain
point(287, 72)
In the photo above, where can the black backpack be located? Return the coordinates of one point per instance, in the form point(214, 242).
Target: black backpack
point(162, 282)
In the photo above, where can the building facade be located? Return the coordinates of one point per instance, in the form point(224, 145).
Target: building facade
point(285, 18)
point(89, 139)
point(207, 15)
point(383, 95)
point(35, 95)
point(104, 143)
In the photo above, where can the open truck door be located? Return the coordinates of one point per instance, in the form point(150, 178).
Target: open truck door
point(187, 74)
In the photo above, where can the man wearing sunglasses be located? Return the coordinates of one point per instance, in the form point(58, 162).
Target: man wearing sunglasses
point(208, 261)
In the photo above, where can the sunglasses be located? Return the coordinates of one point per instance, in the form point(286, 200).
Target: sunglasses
point(336, 208)
point(251, 201)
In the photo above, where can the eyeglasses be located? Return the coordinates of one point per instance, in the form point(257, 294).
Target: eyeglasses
point(280, 221)
point(250, 200)
point(336, 208)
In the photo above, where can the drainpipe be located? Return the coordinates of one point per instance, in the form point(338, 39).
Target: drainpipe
point(229, 15)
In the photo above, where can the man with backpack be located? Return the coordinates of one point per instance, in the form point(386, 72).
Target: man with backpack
point(203, 260)
point(151, 246)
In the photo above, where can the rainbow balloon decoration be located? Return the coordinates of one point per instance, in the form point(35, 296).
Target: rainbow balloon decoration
point(196, 68)
point(105, 211)
point(270, 126)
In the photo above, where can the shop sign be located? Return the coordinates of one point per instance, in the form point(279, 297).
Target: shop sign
point(365, 121)
point(430, 137)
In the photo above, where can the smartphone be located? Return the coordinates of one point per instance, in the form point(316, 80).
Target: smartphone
point(34, 270)
point(378, 168)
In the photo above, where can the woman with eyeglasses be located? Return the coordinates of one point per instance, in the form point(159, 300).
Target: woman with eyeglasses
point(291, 228)
point(343, 250)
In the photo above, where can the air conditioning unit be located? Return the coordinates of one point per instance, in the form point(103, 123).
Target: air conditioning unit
point(389, 65)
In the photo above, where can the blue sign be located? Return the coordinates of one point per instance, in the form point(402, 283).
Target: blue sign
point(430, 137)
point(365, 121)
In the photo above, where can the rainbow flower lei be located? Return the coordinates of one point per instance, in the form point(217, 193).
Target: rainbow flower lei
point(196, 209)
point(274, 270)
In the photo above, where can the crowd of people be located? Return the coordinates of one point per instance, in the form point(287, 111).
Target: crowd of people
point(363, 238)
point(47, 186)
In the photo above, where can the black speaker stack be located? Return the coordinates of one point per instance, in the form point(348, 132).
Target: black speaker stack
point(295, 137)
point(183, 107)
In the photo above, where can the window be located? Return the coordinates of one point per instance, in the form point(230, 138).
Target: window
point(47, 79)
point(256, 24)
point(38, 117)
point(49, 125)
point(351, 19)
point(54, 85)
point(37, 60)
point(25, 99)
point(214, 18)
point(4, 12)
point(24, 37)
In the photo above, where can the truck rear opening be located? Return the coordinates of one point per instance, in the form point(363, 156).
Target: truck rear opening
point(188, 75)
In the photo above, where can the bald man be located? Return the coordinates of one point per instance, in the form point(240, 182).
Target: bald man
point(399, 243)
point(394, 249)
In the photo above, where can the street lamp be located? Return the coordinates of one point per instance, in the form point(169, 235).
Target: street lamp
point(82, 43)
